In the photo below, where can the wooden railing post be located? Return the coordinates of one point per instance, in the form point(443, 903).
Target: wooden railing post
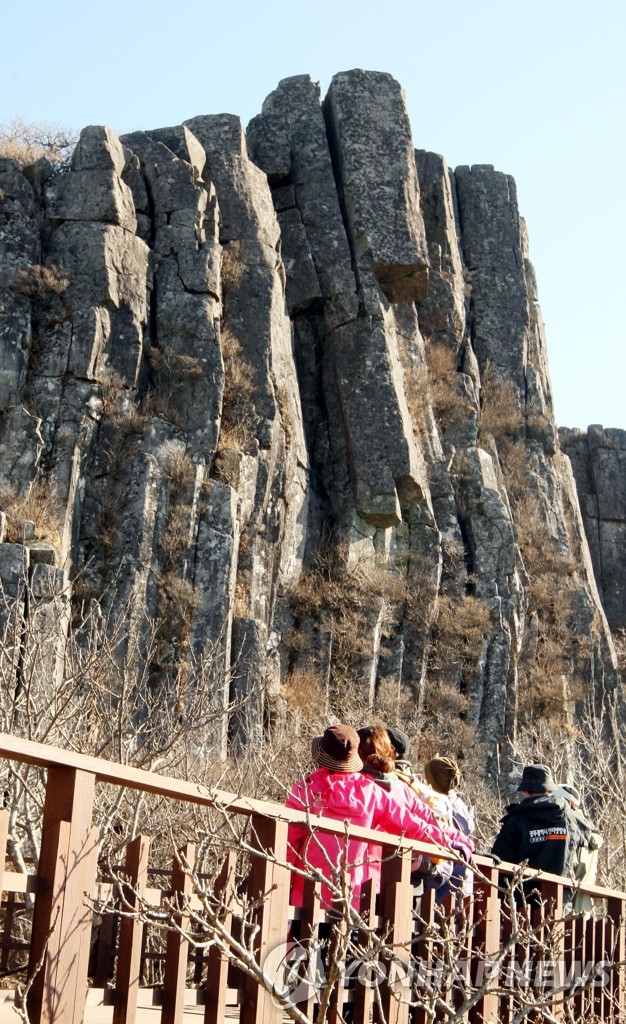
point(131, 933)
point(268, 882)
point(421, 950)
point(4, 835)
point(310, 918)
point(553, 970)
point(486, 941)
point(217, 961)
point(615, 910)
point(362, 997)
point(396, 910)
point(62, 922)
point(177, 946)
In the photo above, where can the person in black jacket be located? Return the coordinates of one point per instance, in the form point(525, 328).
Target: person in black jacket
point(541, 829)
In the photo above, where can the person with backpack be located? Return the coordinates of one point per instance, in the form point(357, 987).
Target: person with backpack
point(586, 866)
point(540, 830)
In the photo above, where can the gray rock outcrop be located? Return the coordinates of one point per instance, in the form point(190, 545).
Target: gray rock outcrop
point(287, 392)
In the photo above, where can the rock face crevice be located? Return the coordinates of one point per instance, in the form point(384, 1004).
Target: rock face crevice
point(288, 391)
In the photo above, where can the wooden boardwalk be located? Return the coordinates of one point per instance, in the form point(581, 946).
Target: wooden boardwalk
point(99, 1010)
point(98, 975)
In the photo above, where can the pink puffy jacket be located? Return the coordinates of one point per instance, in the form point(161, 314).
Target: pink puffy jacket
point(359, 800)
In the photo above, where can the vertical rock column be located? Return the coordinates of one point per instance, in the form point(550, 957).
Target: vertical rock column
point(256, 340)
point(185, 355)
point(20, 248)
point(442, 309)
point(598, 459)
point(492, 251)
point(365, 251)
point(91, 224)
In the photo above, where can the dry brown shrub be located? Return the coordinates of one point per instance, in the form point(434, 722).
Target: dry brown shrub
point(176, 537)
point(130, 424)
point(38, 505)
point(241, 603)
point(541, 552)
point(550, 593)
point(459, 629)
point(514, 459)
point(129, 427)
point(179, 470)
point(106, 534)
point(111, 388)
point(46, 288)
point(39, 282)
point(27, 142)
point(442, 378)
point(417, 395)
point(232, 266)
point(394, 704)
point(305, 699)
point(172, 374)
point(347, 600)
point(619, 641)
point(432, 384)
point(238, 414)
point(453, 554)
point(501, 415)
point(177, 599)
point(545, 683)
point(330, 585)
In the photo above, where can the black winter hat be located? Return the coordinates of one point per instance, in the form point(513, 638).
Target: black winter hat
point(399, 740)
point(536, 778)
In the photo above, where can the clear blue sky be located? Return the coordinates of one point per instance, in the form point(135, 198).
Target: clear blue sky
point(536, 88)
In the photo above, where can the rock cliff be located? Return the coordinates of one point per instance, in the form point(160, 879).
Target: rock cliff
point(598, 459)
point(284, 395)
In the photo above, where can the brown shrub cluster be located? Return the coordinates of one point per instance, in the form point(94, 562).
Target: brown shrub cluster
point(172, 375)
point(37, 505)
point(238, 414)
point(26, 142)
point(501, 417)
point(347, 601)
point(458, 630)
point(45, 286)
point(442, 381)
point(432, 385)
point(233, 268)
point(176, 595)
point(39, 282)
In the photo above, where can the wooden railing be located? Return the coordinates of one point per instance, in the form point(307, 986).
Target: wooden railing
point(80, 973)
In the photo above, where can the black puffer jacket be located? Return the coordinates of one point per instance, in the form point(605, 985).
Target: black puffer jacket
point(542, 830)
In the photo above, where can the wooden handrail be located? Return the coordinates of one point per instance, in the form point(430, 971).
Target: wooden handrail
point(47, 756)
point(62, 920)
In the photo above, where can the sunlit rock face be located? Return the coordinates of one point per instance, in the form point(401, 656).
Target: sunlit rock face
point(287, 391)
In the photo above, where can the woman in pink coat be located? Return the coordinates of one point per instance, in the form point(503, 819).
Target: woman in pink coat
point(337, 789)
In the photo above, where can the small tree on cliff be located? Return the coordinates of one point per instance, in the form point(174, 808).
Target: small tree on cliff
point(29, 141)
